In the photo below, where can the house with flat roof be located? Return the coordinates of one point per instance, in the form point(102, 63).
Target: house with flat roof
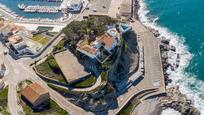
point(36, 95)
point(70, 66)
point(9, 28)
point(75, 6)
point(88, 50)
point(5, 30)
point(18, 45)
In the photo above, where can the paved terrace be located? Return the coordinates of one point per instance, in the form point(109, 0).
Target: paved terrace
point(70, 66)
point(152, 57)
point(113, 10)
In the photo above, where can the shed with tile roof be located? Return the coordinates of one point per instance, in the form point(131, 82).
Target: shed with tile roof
point(35, 94)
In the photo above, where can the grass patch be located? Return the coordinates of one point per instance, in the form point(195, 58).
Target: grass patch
point(53, 109)
point(51, 69)
point(4, 101)
point(51, 34)
point(1, 19)
point(42, 39)
point(127, 110)
point(43, 28)
point(104, 76)
point(107, 64)
point(22, 85)
point(60, 45)
point(61, 90)
point(64, 91)
point(87, 83)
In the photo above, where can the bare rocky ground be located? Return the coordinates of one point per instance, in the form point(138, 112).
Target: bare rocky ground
point(179, 102)
point(97, 101)
point(130, 56)
point(148, 107)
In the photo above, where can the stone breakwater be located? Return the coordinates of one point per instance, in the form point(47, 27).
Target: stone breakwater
point(179, 102)
point(174, 98)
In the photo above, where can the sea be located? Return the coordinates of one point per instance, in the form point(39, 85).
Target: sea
point(12, 5)
point(182, 22)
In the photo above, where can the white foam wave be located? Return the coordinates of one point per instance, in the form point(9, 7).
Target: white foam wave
point(170, 112)
point(187, 82)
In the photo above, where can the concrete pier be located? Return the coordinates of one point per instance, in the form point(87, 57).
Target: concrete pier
point(41, 9)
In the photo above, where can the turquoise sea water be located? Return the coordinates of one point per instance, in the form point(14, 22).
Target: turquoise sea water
point(184, 20)
point(12, 5)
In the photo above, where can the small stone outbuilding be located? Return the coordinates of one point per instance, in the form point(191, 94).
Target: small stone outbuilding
point(36, 95)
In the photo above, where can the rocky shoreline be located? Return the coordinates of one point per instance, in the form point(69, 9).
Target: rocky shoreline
point(174, 98)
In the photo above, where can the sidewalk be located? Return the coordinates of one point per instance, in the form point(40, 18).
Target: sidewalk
point(113, 9)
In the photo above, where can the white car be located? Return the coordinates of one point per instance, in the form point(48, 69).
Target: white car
point(94, 10)
point(5, 52)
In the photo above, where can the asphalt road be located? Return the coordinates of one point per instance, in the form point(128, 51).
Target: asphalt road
point(18, 71)
point(12, 78)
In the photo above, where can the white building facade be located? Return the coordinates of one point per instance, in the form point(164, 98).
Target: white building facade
point(75, 6)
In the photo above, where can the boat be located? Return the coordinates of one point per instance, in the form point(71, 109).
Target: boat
point(21, 6)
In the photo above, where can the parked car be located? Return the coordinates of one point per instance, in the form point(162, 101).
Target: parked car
point(94, 10)
point(87, 8)
point(5, 52)
point(85, 17)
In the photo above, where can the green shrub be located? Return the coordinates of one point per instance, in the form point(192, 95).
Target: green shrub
point(104, 76)
point(60, 45)
point(88, 82)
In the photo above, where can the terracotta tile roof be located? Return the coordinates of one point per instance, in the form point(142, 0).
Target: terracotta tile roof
point(72, 69)
point(106, 39)
point(33, 91)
